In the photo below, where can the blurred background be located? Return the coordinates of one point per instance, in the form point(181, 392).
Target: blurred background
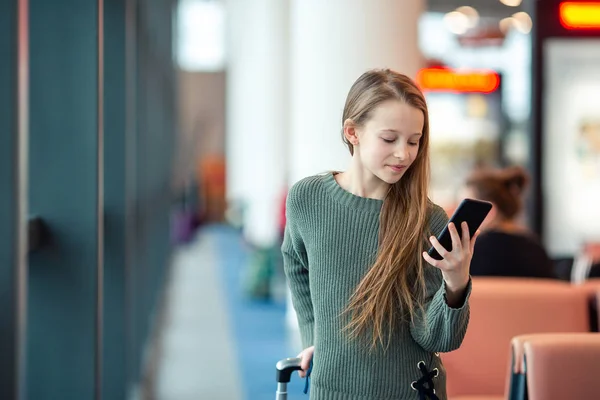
point(147, 146)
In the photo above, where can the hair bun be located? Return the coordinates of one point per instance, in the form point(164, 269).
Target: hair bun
point(515, 178)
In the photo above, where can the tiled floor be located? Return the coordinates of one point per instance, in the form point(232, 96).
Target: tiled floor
point(198, 350)
point(217, 344)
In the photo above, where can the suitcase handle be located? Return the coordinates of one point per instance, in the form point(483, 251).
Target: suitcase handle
point(286, 367)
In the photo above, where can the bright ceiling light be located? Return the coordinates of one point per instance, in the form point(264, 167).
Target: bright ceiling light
point(471, 13)
point(457, 22)
point(511, 3)
point(522, 22)
point(506, 24)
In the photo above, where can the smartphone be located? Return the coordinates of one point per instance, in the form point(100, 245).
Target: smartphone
point(471, 211)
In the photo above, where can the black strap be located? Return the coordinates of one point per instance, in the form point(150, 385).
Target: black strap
point(424, 386)
point(310, 367)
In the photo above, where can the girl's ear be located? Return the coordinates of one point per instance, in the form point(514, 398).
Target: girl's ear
point(350, 132)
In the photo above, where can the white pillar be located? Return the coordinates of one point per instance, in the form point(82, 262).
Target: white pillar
point(257, 112)
point(332, 43)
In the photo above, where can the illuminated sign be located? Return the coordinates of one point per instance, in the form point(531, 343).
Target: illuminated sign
point(579, 15)
point(449, 80)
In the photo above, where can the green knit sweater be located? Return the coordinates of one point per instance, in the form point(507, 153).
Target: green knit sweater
point(330, 242)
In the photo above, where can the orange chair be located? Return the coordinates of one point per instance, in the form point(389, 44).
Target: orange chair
point(597, 304)
point(557, 366)
point(591, 288)
point(502, 308)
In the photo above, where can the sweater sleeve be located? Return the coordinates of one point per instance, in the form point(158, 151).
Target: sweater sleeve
point(295, 264)
point(439, 327)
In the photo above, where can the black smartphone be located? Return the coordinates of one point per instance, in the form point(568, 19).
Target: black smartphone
point(471, 211)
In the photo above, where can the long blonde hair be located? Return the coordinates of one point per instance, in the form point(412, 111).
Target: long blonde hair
point(394, 287)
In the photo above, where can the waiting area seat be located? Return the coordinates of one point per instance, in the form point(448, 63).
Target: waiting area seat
point(556, 366)
point(505, 314)
point(591, 288)
point(502, 308)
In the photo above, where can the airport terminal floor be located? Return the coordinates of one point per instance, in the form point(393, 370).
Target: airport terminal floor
point(122, 125)
point(214, 343)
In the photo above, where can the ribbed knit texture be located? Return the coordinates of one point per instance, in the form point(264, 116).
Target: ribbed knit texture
point(330, 243)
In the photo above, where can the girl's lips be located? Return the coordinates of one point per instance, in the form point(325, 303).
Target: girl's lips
point(398, 168)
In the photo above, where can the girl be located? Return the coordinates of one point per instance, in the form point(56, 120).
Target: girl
point(370, 310)
point(506, 247)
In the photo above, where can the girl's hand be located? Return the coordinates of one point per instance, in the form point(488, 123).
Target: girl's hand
point(455, 264)
point(306, 356)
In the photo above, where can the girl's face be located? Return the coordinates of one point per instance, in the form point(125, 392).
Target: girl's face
point(388, 143)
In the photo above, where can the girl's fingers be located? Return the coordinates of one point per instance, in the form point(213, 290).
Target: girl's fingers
point(456, 244)
point(466, 240)
point(304, 364)
point(306, 356)
point(431, 260)
point(438, 246)
point(473, 240)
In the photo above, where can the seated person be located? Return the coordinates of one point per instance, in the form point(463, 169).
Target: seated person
point(586, 264)
point(505, 247)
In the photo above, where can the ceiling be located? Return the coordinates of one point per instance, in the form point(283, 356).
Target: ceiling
point(486, 8)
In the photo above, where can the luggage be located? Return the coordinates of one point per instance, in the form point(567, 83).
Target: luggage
point(285, 368)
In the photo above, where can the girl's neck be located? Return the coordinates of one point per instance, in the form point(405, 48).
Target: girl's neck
point(360, 182)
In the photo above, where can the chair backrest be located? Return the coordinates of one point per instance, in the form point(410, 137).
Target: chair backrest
point(597, 312)
point(591, 287)
point(562, 366)
point(502, 308)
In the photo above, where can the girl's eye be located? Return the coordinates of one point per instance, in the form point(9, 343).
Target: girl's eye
point(388, 140)
point(414, 144)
